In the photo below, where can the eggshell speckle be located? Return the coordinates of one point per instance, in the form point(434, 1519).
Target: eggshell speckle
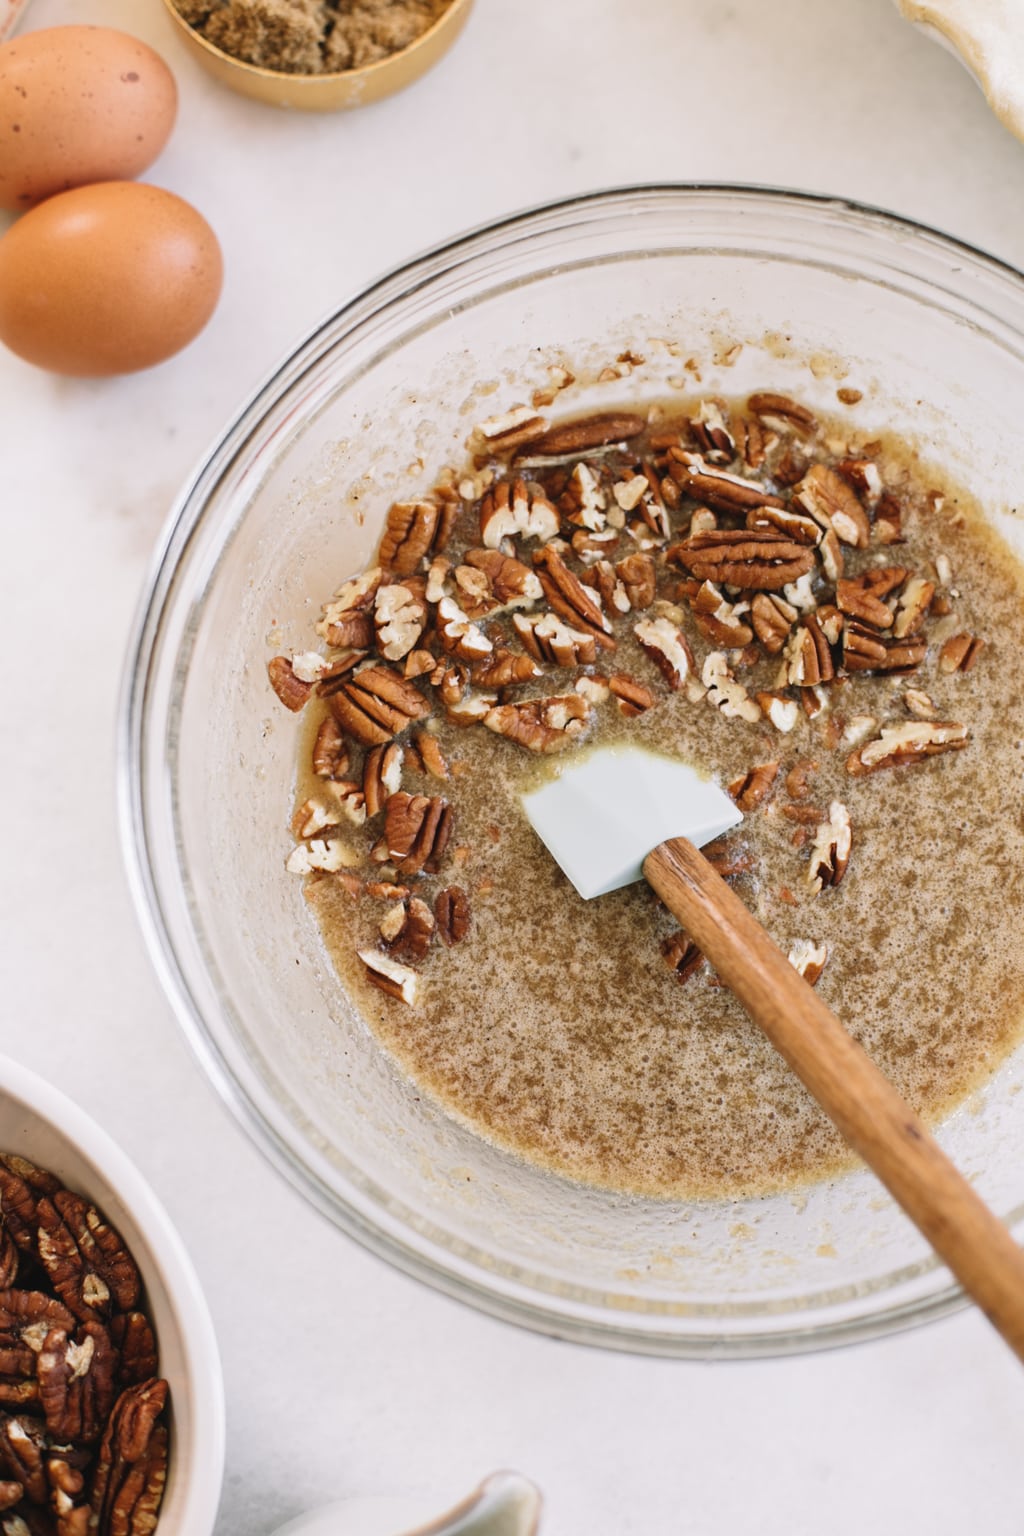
point(107, 279)
point(79, 105)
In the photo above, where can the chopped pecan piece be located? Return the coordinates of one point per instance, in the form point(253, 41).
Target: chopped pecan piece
point(291, 690)
point(794, 525)
point(416, 831)
point(728, 858)
point(511, 508)
point(633, 697)
point(346, 620)
point(753, 787)
point(418, 663)
point(398, 981)
point(131, 1469)
point(326, 855)
point(915, 600)
point(414, 529)
point(589, 432)
point(548, 639)
point(857, 599)
point(65, 1469)
point(783, 712)
point(718, 620)
point(724, 692)
point(399, 617)
point(710, 433)
point(583, 501)
point(376, 704)
point(834, 504)
point(809, 655)
point(797, 779)
point(763, 562)
point(898, 744)
point(512, 429)
point(459, 634)
point(750, 438)
point(613, 593)
point(505, 669)
point(960, 652)
point(315, 816)
point(433, 759)
point(510, 583)
point(830, 853)
point(23, 1446)
point(86, 1259)
point(681, 955)
point(8, 1256)
point(637, 574)
point(416, 932)
point(668, 648)
point(630, 492)
point(864, 650)
point(780, 412)
point(331, 758)
point(336, 674)
point(451, 914)
point(716, 489)
point(772, 619)
point(809, 960)
point(542, 725)
point(382, 776)
point(571, 599)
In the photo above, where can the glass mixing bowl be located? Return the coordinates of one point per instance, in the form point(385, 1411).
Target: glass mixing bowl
point(739, 289)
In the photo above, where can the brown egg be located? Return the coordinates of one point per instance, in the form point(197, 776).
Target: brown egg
point(107, 279)
point(79, 104)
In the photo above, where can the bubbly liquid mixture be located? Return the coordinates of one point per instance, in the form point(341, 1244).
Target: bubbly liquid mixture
point(558, 1031)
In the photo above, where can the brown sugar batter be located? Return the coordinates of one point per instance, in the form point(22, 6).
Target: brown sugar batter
point(561, 1029)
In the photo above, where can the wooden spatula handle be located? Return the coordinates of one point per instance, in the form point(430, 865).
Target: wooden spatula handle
point(846, 1083)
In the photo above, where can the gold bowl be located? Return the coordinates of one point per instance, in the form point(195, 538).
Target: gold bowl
point(327, 93)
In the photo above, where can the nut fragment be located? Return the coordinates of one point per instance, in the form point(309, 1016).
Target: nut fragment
point(633, 697)
point(291, 690)
point(451, 914)
point(399, 617)
point(668, 648)
point(398, 981)
point(416, 831)
point(960, 652)
point(772, 619)
point(834, 504)
point(511, 508)
point(433, 759)
point(542, 725)
point(716, 489)
point(754, 786)
point(330, 753)
point(857, 599)
point(505, 669)
point(382, 776)
point(783, 712)
point(459, 634)
point(724, 692)
point(809, 959)
point(830, 852)
point(915, 600)
point(681, 955)
point(414, 936)
point(779, 411)
point(571, 599)
point(638, 575)
point(510, 429)
point(510, 583)
point(899, 744)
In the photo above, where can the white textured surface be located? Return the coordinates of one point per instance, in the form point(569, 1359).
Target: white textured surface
point(344, 1378)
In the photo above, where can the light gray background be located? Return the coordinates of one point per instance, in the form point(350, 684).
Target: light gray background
point(343, 1377)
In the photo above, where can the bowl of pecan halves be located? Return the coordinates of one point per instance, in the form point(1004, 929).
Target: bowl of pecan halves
point(111, 1398)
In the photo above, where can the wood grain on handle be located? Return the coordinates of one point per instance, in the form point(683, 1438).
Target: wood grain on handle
point(846, 1083)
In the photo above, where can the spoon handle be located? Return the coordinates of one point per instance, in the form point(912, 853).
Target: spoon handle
point(844, 1080)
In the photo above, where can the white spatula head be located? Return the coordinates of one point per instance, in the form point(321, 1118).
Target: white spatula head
point(602, 815)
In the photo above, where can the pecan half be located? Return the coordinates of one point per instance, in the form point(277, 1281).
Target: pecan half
point(779, 411)
point(613, 593)
point(510, 583)
point(431, 757)
point(713, 487)
point(834, 504)
point(85, 1258)
point(571, 599)
point(376, 704)
point(388, 976)
point(414, 529)
point(451, 914)
point(681, 955)
point(754, 786)
point(292, 692)
point(865, 650)
point(711, 434)
point(857, 599)
point(382, 776)
point(505, 669)
point(959, 653)
point(637, 574)
point(668, 648)
point(781, 711)
point(517, 507)
point(416, 831)
point(23, 1446)
point(830, 852)
point(131, 1468)
point(399, 617)
point(763, 562)
point(772, 619)
point(915, 600)
point(548, 639)
point(724, 692)
point(331, 758)
point(899, 744)
point(634, 699)
point(808, 652)
point(132, 1337)
point(589, 432)
point(542, 725)
point(511, 429)
point(795, 525)
point(76, 1382)
point(458, 634)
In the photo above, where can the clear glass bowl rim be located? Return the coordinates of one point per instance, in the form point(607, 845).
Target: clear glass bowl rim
point(510, 1304)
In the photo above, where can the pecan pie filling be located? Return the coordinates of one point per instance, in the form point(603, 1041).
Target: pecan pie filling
point(806, 614)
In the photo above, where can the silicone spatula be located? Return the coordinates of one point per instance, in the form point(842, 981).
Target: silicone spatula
point(615, 816)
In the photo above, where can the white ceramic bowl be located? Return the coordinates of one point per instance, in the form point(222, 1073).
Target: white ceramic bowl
point(42, 1124)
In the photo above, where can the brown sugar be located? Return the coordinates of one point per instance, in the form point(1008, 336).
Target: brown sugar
point(311, 37)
